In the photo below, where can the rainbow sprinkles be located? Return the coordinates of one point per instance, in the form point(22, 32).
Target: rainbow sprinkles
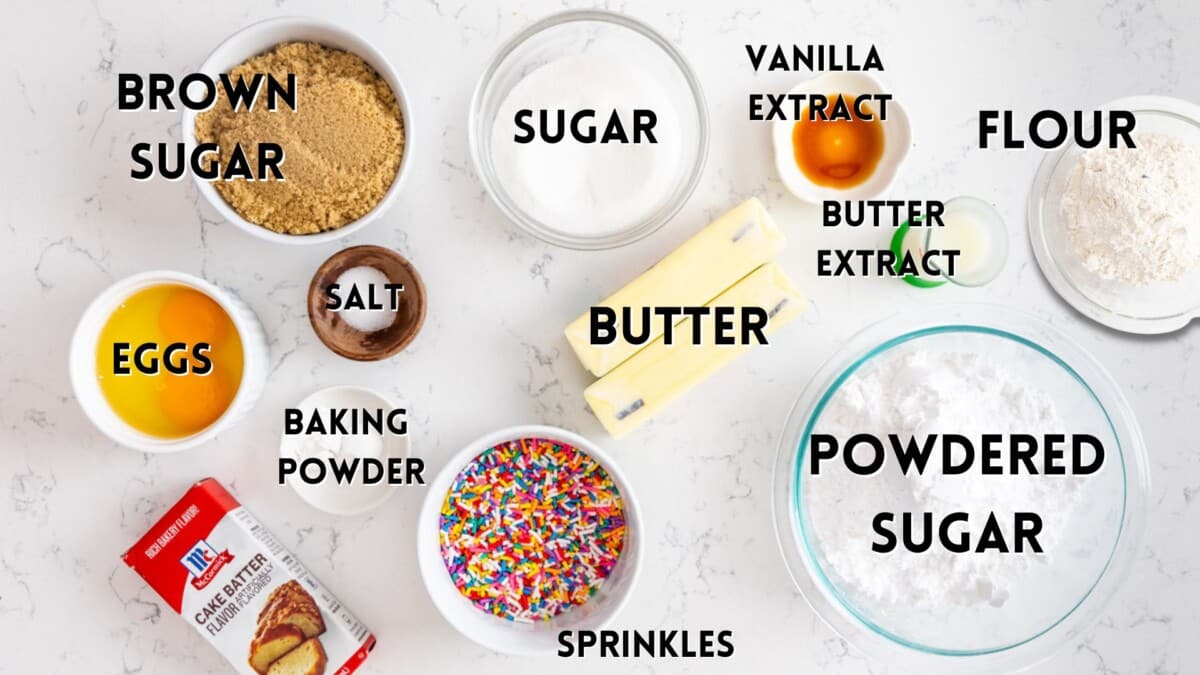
point(530, 528)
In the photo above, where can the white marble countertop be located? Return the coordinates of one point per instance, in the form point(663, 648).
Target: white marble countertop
point(492, 354)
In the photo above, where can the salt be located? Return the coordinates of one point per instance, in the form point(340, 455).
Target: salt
point(367, 282)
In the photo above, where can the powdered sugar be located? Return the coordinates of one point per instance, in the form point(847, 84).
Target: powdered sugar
point(917, 392)
point(1133, 214)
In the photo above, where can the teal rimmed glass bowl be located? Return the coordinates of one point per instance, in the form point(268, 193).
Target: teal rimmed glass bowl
point(1047, 607)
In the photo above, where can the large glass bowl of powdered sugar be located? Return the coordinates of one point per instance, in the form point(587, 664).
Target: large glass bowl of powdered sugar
point(1116, 230)
point(588, 129)
point(960, 492)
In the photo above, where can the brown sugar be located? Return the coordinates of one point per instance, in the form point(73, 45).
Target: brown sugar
point(342, 143)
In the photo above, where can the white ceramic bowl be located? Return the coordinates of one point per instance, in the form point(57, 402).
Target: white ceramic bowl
point(897, 138)
point(355, 498)
point(256, 360)
point(260, 37)
point(511, 637)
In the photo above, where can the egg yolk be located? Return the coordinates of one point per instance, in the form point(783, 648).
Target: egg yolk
point(192, 317)
point(165, 404)
point(837, 153)
point(193, 401)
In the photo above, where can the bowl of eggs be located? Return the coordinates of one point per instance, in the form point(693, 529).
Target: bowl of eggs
point(163, 361)
point(846, 141)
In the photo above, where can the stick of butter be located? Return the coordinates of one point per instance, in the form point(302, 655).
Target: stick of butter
point(660, 373)
point(703, 266)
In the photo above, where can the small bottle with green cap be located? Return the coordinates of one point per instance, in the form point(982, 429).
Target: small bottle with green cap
point(909, 241)
point(970, 227)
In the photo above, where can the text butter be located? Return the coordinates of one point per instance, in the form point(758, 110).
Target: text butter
point(660, 373)
point(692, 275)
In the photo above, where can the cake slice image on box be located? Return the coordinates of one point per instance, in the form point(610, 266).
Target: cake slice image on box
point(307, 659)
point(288, 620)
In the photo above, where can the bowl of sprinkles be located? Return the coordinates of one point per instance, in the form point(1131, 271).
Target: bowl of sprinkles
point(526, 532)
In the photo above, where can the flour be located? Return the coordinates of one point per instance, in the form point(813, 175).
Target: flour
point(1134, 214)
point(921, 392)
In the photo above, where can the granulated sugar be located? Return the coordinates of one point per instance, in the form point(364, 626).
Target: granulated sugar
point(588, 188)
point(918, 393)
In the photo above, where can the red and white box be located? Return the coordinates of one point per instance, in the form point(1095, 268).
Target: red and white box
point(228, 576)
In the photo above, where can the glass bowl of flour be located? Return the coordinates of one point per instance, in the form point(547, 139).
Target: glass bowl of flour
point(588, 129)
point(977, 560)
point(1116, 231)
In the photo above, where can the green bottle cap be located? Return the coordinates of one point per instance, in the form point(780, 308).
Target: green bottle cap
point(898, 249)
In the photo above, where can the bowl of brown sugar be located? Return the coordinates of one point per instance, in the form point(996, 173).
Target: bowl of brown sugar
point(319, 120)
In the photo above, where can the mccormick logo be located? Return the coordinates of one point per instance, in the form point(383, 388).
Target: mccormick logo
point(204, 562)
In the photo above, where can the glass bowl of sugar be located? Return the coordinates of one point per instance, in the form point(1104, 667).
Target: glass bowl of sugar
point(1011, 535)
point(589, 130)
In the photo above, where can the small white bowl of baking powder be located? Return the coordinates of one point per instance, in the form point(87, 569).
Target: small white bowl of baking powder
point(365, 409)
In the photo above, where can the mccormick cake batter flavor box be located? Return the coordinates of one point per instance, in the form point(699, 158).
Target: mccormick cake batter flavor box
point(229, 577)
